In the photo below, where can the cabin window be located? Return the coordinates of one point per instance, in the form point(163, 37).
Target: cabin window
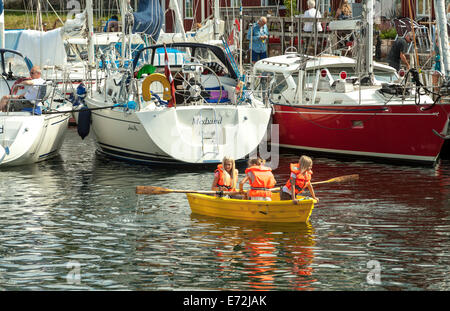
point(188, 9)
point(261, 83)
point(385, 76)
point(324, 6)
point(16, 65)
point(279, 84)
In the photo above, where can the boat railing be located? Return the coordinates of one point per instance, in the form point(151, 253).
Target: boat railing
point(32, 106)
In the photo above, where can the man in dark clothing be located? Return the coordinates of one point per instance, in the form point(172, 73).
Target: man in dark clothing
point(398, 50)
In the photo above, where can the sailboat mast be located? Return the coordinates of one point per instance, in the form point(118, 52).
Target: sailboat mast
point(123, 12)
point(90, 37)
point(2, 25)
point(240, 38)
point(179, 21)
point(216, 19)
point(369, 50)
point(441, 20)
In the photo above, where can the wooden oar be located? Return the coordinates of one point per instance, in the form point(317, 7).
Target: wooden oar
point(160, 190)
point(152, 190)
point(345, 178)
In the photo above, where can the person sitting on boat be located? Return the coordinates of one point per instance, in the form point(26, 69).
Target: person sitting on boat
point(30, 94)
point(258, 35)
point(300, 177)
point(437, 72)
point(112, 25)
point(398, 51)
point(225, 176)
point(261, 180)
point(344, 11)
point(312, 13)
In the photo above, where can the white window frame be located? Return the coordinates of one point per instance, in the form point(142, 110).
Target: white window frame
point(421, 12)
point(324, 6)
point(186, 9)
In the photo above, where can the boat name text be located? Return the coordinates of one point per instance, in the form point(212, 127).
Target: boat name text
point(132, 128)
point(205, 121)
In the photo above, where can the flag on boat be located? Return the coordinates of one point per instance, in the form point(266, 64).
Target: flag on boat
point(169, 77)
point(234, 35)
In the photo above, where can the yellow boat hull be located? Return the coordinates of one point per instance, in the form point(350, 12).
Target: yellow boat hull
point(267, 211)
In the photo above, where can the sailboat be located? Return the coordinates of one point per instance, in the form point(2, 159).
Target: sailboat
point(184, 110)
point(323, 104)
point(28, 135)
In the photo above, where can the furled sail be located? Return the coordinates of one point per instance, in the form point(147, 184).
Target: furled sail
point(149, 18)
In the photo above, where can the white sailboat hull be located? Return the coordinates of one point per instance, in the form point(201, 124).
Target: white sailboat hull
point(28, 139)
point(186, 134)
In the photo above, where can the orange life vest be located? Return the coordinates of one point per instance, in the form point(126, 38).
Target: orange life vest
point(261, 182)
point(301, 180)
point(221, 181)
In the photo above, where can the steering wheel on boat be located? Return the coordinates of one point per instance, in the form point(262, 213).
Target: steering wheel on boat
point(197, 82)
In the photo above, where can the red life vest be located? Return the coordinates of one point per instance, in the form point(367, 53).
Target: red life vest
point(221, 181)
point(262, 181)
point(301, 180)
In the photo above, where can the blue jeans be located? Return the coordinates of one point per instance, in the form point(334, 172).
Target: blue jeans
point(257, 56)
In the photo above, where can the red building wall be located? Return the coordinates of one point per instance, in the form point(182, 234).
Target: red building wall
point(188, 23)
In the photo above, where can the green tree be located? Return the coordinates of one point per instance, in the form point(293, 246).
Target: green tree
point(291, 7)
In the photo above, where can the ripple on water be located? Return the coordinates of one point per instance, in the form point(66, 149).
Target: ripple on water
point(78, 213)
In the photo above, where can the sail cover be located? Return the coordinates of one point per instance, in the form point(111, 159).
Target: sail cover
point(149, 18)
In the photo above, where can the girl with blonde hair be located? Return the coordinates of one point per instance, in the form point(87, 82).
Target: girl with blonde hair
point(225, 176)
point(299, 179)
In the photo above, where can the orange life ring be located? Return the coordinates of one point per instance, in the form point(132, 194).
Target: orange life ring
point(156, 77)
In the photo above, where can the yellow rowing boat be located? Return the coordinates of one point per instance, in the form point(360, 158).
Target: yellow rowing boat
point(268, 211)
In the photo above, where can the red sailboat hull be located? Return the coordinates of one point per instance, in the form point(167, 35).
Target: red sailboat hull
point(402, 132)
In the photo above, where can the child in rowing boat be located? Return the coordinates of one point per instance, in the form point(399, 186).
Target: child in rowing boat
point(260, 178)
point(301, 178)
point(225, 176)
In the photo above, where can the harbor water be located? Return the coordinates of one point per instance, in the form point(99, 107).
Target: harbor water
point(75, 223)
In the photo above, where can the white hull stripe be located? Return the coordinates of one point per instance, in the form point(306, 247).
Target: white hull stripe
point(363, 153)
point(364, 114)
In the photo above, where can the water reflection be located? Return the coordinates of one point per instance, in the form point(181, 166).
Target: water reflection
point(81, 208)
point(256, 249)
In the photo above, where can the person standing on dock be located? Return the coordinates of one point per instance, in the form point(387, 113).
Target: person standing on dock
point(398, 51)
point(312, 13)
point(258, 35)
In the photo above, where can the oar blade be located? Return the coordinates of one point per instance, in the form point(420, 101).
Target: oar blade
point(152, 190)
point(346, 178)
